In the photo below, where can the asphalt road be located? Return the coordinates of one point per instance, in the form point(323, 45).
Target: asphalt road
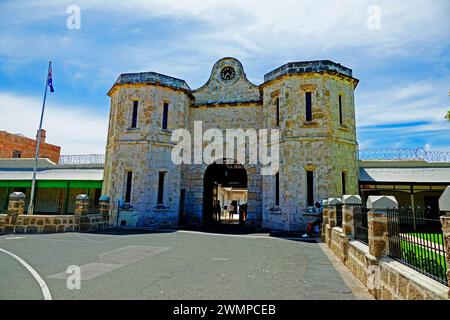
point(168, 265)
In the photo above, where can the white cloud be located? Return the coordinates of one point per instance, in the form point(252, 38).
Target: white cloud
point(411, 28)
point(425, 100)
point(74, 128)
point(263, 34)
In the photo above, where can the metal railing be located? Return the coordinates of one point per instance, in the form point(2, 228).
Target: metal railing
point(50, 204)
point(404, 154)
point(416, 240)
point(360, 223)
point(82, 159)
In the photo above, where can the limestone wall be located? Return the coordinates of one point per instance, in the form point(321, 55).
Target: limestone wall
point(398, 282)
point(339, 243)
point(322, 145)
point(50, 223)
point(225, 116)
point(237, 89)
point(145, 150)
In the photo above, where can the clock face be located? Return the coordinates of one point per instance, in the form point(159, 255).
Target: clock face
point(227, 73)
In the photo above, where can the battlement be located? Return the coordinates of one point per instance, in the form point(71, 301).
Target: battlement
point(306, 67)
point(151, 78)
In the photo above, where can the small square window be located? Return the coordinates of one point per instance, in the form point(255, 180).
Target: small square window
point(17, 154)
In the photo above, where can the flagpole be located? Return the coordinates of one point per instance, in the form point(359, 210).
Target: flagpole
point(38, 143)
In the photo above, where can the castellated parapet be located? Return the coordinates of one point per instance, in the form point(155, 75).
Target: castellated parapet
point(322, 142)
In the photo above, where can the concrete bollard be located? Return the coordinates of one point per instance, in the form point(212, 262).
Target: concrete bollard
point(81, 204)
point(377, 223)
point(348, 223)
point(332, 202)
point(16, 204)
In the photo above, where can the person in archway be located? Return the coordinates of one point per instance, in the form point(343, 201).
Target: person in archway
point(219, 210)
point(318, 212)
point(230, 212)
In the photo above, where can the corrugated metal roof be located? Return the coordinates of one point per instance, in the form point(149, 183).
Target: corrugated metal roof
point(25, 163)
point(53, 174)
point(413, 175)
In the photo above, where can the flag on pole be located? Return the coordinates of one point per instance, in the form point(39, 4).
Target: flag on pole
point(49, 79)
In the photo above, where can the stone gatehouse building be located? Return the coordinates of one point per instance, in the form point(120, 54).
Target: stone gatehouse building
point(310, 102)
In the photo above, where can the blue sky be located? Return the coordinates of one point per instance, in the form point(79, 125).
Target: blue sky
point(403, 66)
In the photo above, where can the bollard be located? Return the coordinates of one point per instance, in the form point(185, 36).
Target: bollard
point(377, 223)
point(348, 223)
point(81, 204)
point(16, 204)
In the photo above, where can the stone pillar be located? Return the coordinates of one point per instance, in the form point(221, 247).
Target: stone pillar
point(332, 202)
point(348, 224)
point(377, 223)
point(103, 207)
point(444, 206)
point(16, 204)
point(81, 205)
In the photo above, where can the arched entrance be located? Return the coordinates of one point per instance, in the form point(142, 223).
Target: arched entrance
point(224, 194)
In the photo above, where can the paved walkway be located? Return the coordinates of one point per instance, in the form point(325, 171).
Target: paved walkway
point(173, 265)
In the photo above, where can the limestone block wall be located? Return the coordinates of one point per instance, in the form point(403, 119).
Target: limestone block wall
point(357, 261)
point(92, 222)
point(238, 89)
point(50, 223)
point(144, 150)
point(322, 145)
point(339, 243)
point(325, 89)
point(225, 116)
point(192, 182)
point(398, 282)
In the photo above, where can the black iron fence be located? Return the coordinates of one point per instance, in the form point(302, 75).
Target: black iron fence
point(53, 201)
point(360, 222)
point(416, 240)
point(339, 215)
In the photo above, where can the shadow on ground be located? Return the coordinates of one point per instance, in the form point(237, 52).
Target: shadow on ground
point(216, 229)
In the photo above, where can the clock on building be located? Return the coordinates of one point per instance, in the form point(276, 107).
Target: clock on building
point(227, 73)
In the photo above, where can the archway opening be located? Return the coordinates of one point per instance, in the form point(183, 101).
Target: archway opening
point(225, 194)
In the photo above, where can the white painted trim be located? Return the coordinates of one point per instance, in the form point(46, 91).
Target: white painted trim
point(40, 281)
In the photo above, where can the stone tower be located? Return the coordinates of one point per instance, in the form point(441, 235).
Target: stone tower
point(145, 107)
point(318, 147)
